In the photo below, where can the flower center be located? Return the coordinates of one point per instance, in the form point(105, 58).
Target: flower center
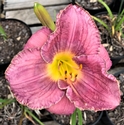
point(64, 67)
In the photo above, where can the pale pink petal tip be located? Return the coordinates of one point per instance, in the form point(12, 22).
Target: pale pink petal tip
point(38, 38)
point(64, 107)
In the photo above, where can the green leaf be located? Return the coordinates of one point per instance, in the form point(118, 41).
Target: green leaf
point(80, 119)
point(101, 22)
point(107, 8)
point(73, 118)
point(26, 110)
point(121, 5)
point(120, 20)
point(2, 32)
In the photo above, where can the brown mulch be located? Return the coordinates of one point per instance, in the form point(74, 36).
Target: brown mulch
point(13, 43)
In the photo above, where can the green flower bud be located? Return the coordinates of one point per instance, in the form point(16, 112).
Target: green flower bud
point(44, 16)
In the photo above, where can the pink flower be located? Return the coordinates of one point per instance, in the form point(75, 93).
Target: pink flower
point(64, 69)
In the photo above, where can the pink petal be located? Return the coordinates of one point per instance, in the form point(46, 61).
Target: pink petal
point(104, 54)
point(64, 107)
point(95, 90)
point(29, 81)
point(62, 84)
point(76, 32)
point(38, 38)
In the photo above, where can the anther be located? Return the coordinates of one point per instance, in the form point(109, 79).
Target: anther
point(65, 72)
point(61, 62)
point(71, 75)
point(80, 66)
point(59, 66)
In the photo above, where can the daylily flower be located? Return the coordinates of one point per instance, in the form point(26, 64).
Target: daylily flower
point(65, 69)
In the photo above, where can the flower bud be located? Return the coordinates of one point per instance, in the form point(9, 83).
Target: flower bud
point(44, 16)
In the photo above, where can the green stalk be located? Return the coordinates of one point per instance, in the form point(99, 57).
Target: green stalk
point(107, 8)
point(34, 117)
point(3, 100)
point(80, 119)
point(122, 1)
point(73, 118)
point(120, 20)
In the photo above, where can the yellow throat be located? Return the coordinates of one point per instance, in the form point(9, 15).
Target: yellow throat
point(64, 67)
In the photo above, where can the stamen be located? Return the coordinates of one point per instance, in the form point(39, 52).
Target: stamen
point(71, 75)
point(72, 86)
point(59, 64)
point(80, 66)
point(70, 64)
point(65, 75)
